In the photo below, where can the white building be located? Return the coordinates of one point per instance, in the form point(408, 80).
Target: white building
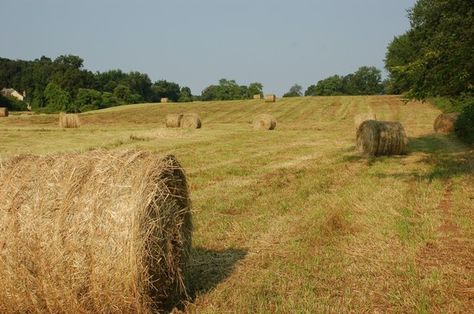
point(10, 92)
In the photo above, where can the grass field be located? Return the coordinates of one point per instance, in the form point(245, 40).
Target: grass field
point(293, 220)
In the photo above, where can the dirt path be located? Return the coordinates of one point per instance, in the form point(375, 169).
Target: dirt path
point(451, 254)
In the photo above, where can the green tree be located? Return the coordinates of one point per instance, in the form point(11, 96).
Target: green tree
point(226, 90)
point(72, 61)
point(122, 92)
point(434, 58)
point(333, 85)
point(110, 100)
point(57, 99)
point(255, 88)
point(88, 99)
point(365, 81)
point(140, 84)
point(295, 91)
point(185, 95)
point(164, 89)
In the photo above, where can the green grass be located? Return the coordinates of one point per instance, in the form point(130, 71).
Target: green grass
point(293, 220)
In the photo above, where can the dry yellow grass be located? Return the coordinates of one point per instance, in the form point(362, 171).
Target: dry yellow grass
point(295, 220)
point(96, 232)
point(361, 117)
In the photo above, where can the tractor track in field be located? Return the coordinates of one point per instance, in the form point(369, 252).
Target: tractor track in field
point(451, 253)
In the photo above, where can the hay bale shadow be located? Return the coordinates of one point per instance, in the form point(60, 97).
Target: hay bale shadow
point(447, 160)
point(433, 143)
point(210, 267)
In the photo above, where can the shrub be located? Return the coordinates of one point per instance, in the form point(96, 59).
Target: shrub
point(464, 127)
point(447, 105)
point(12, 104)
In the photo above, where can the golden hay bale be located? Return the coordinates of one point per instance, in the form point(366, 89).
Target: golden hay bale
point(164, 100)
point(264, 122)
point(191, 120)
point(3, 112)
point(69, 120)
point(95, 232)
point(257, 96)
point(445, 122)
point(270, 98)
point(359, 118)
point(173, 120)
point(376, 138)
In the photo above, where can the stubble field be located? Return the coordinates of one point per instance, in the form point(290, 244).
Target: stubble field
point(294, 220)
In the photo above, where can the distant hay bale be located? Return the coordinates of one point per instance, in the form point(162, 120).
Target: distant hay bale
point(3, 112)
point(376, 138)
point(257, 96)
point(270, 98)
point(95, 232)
point(164, 100)
point(264, 122)
point(191, 121)
point(69, 120)
point(359, 118)
point(445, 122)
point(173, 120)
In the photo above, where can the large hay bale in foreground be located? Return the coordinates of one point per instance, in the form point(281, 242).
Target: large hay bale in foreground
point(360, 118)
point(191, 121)
point(264, 122)
point(173, 120)
point(377, 138)
point(445, 122)
point(97, 232)
point(270, 98)
point(3, 112)
point(69, 120)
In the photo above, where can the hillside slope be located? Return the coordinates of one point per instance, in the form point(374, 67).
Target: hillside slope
point(293, 220)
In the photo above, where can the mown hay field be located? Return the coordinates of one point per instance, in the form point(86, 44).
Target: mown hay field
point(294, 219)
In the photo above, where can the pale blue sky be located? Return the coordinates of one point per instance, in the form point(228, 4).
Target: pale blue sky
point(197, 42)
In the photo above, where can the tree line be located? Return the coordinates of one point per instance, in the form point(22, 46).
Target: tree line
point(367, 80)
point(63, 84)
point(435, 59)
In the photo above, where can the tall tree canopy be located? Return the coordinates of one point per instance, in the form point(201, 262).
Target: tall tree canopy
point(365, 81)
point(82, 89)
point(435, 56)
point(230, 90)
point(295, 91)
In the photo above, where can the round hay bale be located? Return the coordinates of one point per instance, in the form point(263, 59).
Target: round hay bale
point(173, 120)
point(377, 138)
point(445, 122)
point(264, 122)
point(270, 98)
point(3, 112)
point(164, 100)
point(359, 118)
point(191, 121)
point(69, 120)
point(95, 232)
